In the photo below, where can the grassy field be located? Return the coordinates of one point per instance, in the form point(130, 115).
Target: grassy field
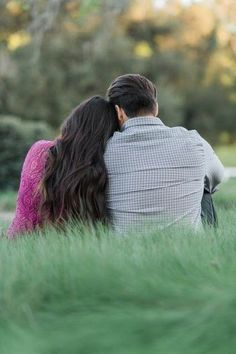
point(226, 195)
point(97, 293)
point(170, 292)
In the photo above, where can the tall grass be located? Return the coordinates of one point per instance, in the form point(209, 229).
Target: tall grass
point(167, 292)
point(226, 196)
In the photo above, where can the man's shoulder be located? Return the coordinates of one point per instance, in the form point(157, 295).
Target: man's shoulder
point(189, 134)
point(184, 131)
point(119, 136)
point(164, 133)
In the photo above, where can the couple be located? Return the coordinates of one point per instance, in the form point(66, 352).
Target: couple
point(116, 163)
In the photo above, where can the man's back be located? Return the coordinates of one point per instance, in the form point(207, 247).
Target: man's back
point(156, 174)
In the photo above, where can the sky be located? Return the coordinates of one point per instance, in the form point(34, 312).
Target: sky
point(161, 3)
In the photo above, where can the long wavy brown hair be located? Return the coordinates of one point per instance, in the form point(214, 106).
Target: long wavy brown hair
point(75, 180)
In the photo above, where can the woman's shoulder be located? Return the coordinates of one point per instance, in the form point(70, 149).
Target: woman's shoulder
point(42, 144)
point(38, 152)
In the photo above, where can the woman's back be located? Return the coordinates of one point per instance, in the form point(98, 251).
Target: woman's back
point(66, 179)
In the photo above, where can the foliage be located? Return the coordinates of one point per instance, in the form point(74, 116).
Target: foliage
point(7, 201)
point(54, 54)
point(227, 154)
point(16, 137)
point(167, 292)
point(49, 63)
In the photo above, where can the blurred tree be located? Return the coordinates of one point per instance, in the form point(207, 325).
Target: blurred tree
point(53, 54)
point(15, 139)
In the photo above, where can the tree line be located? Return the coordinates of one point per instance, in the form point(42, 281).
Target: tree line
point(55, 54)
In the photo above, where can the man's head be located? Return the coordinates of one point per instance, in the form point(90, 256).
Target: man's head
point(133, 95)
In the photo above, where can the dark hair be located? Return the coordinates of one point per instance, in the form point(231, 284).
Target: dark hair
point(75, 180)
point(134, 93)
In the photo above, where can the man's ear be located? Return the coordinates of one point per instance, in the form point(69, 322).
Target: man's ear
point(121, 115)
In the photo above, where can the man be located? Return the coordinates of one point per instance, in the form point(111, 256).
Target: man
point(157, 174)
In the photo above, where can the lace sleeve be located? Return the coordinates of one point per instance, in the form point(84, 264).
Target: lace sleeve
point(28, 200)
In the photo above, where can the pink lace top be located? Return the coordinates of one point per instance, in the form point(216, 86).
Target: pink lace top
point(28, 200)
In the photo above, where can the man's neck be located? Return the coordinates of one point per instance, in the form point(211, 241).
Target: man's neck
point(145, 115)
point(141, 121)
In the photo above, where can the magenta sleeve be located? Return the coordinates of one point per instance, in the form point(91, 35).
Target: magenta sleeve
point(27, 217)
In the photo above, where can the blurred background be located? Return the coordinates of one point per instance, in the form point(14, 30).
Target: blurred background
point(55, 53)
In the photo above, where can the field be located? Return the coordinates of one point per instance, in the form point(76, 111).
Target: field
point(167, 292)
point(227, 154)
point(226, 196)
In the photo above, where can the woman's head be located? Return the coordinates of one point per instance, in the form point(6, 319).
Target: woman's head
point(94, 118)
point(75, 179)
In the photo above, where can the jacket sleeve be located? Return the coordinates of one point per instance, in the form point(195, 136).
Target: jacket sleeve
point(214, 168)
point(27, 217)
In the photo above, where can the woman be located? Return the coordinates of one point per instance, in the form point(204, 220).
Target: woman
point(67, 178)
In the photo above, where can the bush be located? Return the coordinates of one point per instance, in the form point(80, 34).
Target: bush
point(7, 200)
point(16, 137)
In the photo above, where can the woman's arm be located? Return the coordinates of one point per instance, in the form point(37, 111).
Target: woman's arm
point(28, 200)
